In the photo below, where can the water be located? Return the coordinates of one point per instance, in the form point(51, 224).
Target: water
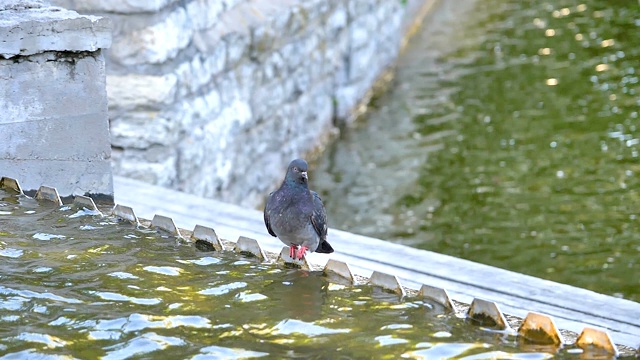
point(508, 137)
point(77, 285)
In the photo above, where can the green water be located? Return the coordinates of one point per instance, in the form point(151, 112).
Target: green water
point(508, 137)
point(77, 285)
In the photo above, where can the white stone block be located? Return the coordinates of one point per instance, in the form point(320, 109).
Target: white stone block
point(154, 44)
point(129, 92)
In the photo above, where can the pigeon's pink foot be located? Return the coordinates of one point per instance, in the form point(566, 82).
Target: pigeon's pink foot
point(301, 252)
point(292, 251)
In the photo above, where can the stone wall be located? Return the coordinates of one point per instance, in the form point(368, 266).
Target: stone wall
point(53, 104)
point(215, 97)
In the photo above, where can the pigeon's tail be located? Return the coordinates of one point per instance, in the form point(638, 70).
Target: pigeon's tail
point(324, 247)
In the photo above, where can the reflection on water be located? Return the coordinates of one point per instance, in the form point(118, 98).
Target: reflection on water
point(102, 288)
point(510, 137)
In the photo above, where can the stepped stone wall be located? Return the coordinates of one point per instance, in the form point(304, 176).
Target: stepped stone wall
point(54, 128)
point(215, 97)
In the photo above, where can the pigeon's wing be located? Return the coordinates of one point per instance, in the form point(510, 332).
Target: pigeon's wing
point(267, 222)
point(319, 221)
point(319, 217)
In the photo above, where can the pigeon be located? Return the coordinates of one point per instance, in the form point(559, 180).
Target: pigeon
point(296, 215)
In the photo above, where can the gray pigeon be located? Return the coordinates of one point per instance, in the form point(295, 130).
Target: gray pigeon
point(296, 215)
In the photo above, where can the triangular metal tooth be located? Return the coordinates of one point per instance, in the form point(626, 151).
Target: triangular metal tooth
point(125, 213)
point(386, 281)
point(285, 259)
point(488, 314)
point(339, 268)
point(540, 329)
point(48, 193)
point(251, 246)
point(596, 340)
point(10, 184)
point(206, 238)
point(438, 295)
point(165, 223)
point(85, 202)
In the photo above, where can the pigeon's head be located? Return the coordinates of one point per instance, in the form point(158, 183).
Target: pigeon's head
point(297, 171)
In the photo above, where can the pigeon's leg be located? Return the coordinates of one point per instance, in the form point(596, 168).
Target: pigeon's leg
point(301, 252)
point(292, 250)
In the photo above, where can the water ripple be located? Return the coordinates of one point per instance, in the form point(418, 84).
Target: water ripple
point(48, 340)
point(207, 260)
point(248, 297)
point(47, 237)
point(164, 270)
point(123, 275)
point(219, 352)
point(33, 354)
point(143, 344)
point(12, 253)
point(137, 322)
point(105, 295)
point(223, 289)
point(386, 340)
point(36, 295)
point(292, 326)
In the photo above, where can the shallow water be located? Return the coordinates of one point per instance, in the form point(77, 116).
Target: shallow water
point(74, 284)
point(508, 137)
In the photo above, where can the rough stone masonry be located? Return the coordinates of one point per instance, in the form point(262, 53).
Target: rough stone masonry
point(53, 104)
point(215, 97)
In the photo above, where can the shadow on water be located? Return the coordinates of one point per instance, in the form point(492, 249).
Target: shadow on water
point(509, 137)
point(74, 284)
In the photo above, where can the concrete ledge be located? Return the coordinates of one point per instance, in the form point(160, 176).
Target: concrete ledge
point(28, 28)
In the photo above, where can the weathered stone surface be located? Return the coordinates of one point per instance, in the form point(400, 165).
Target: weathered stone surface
point(30, 28)
point(56, 139)
point(154, 44)
point(32, 88)
point(216, 97)
point(133, 92)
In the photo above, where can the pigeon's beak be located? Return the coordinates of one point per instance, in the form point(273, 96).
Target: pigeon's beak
point(304, 175)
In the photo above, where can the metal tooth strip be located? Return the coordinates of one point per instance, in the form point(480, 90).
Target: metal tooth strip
point(540, 329)
point(597, 341)
point(284, 258)
point(85, 202)
point(487, 313)
point(165, 223)
point(339, 268)
point(438, 295)
point(206, 239)
point(48, 193)
point(10, 184)
point(125, 213)
point(251, 246)
point(386, 281)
